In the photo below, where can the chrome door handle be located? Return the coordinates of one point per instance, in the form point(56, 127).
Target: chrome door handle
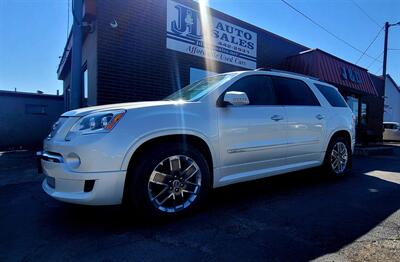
point(320, 117)
point(277, 117)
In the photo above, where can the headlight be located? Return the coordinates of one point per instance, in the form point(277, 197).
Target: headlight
point(99, 122)
point(54, 129)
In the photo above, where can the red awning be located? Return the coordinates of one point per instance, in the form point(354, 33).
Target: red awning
point(332, 69)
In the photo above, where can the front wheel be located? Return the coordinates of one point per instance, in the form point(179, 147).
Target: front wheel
point(169, 179)
point(338, 158)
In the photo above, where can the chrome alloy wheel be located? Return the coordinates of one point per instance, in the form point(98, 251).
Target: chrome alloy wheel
point(339, 157)
point(174, 183)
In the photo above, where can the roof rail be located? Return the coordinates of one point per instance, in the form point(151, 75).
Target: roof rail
point(288, 72)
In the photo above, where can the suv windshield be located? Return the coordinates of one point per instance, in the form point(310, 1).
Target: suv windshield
point(197, 90)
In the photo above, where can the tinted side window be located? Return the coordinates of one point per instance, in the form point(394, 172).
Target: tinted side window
point(259, 89)
point(294, 92)
point(332, 95)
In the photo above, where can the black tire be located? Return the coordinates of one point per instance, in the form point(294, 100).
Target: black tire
point(328, 166)
point(138, 183)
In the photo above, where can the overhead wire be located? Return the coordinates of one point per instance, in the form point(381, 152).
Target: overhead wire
point(366, 14)
point(370, 44)
point(325, 29)
point(373, 61)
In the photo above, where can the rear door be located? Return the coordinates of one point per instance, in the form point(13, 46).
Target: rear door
point(305, 120)
point(252, 137)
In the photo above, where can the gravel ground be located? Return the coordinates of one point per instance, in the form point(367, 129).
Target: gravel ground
point(299, 216)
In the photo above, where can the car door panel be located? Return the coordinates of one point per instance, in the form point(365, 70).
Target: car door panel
point(252, 137)
point(305, 120)
point(250, 140)
point(305, 129)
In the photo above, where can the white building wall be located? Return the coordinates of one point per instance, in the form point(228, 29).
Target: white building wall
point(392, 102)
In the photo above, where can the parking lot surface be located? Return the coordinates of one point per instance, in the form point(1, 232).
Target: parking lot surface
point(297, 217)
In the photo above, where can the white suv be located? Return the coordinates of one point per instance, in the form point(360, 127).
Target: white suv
point(163, 157)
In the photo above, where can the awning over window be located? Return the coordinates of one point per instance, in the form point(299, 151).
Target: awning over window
point(332, 69)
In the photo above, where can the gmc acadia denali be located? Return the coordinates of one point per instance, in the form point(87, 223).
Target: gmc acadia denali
point(163, 157)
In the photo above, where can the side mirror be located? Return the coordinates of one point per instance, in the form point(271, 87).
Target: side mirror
point(236, 98)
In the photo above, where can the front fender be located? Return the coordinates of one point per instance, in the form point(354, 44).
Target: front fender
point(166, 132)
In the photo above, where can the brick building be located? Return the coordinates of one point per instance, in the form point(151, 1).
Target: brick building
point(144, 50)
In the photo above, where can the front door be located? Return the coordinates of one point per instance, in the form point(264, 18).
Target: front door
point(252, 137)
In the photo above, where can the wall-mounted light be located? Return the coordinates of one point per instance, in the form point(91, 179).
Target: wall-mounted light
point(114, 23)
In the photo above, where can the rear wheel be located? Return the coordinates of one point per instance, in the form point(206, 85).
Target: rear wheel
point(338, 157)
point(169, 179)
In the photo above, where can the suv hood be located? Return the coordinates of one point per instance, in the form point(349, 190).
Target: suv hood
point(87, 110)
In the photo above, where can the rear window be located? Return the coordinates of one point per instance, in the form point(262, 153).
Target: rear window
point(293, 92)
point(332, 95)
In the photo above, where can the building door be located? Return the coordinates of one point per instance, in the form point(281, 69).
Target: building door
point(359, 109)
point(352, 101)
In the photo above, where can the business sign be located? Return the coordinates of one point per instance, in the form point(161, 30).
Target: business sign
point(349, 74)
point(228, 43)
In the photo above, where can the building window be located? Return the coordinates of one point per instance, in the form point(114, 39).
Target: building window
point(35, 109)
point(363, 114)
point(85, 86)
point(67, 97)
point(198, 74)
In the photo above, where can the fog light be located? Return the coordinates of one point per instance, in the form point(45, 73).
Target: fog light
point(73, 160)
point(51, 181)
point(89, 184)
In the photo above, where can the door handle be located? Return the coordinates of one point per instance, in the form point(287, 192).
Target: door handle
point(320, 117)
point(277, 117)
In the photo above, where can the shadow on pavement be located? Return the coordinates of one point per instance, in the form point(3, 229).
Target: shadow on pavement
point(297, 216)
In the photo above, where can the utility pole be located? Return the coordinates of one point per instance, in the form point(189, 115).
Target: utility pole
point(76, 61)
point(385, 48)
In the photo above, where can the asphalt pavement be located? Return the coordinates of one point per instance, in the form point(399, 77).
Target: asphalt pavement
point(299, 216)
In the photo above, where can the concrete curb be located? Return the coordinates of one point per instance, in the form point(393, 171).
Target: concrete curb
point(374, 151)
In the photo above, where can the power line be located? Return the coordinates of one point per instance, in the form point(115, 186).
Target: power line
point(376, 59)
point(326, 30)
point(366, 14)
point(379, 69)
point(373, 41)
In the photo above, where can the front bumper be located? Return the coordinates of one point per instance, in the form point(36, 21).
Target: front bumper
point(89, 188)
